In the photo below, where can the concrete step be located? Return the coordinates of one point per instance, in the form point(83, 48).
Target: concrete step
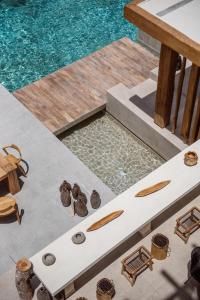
point(144, 89)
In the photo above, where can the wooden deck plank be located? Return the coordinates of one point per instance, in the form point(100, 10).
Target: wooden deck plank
point(76, 91)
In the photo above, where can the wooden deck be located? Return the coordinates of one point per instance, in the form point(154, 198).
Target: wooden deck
point(75, 92)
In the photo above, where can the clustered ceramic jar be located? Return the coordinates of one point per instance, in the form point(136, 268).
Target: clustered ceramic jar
point(95, 199)
point(80, 208)
point(65, 196)
point(79, 200)
point(75, 191)
point(43, 294)
point(82, 197)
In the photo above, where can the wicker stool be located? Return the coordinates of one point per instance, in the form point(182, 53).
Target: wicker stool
point(187, 224)
point(8, 206)
point(137, 262)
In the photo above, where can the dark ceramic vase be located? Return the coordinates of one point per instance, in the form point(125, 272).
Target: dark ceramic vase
point(66, 185)
point(80, 208)
point(65, 197)
point(95, 200)
point(43, 294)
point(76, 191)
point(82, 196)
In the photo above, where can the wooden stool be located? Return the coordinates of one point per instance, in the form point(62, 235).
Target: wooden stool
point(137, 262)
point(8, 206)
point(187, 224)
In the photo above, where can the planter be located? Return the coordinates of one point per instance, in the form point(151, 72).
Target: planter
point(190, 158)
point(24, 272)
point(105, 289)
point(160, 246)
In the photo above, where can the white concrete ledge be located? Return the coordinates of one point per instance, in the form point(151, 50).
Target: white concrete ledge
point(73, 260)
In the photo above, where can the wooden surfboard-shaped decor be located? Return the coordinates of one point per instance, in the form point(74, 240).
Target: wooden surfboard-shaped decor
point(152, 189)
point(105, 220)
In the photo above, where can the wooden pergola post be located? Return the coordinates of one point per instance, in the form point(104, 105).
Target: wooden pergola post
point(196, 126)
point(165, 87)
point(190, 101)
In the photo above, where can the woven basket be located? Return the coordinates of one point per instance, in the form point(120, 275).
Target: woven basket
point(105, 289)
point(160, 246)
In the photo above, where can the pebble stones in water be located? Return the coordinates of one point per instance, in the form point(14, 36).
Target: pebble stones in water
point(78, 238)
point(95, 199)
point(76, 191)
point(48, 259)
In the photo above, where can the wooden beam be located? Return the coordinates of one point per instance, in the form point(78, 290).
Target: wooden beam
point(165, 87)
point(196, 125)
point(190, 101)
point(162, 32)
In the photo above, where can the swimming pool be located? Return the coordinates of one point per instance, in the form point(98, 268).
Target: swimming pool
point(40, 36)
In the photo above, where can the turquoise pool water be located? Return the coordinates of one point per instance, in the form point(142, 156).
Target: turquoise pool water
point(38, 37)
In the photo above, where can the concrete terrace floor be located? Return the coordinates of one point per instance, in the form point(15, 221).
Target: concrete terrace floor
point(45, 219)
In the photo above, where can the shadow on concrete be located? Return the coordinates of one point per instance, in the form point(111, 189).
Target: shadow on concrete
point(182, 292)
point(4, 190)
point(12, 218)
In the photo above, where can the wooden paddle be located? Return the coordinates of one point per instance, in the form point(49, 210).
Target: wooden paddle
point(105, 220)
point(152, 189)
